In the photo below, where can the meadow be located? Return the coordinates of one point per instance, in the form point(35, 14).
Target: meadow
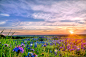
point(44, 46)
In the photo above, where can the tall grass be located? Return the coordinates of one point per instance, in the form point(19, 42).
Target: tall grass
point(52, 49)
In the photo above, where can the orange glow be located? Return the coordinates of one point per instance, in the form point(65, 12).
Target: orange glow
point(71, 32)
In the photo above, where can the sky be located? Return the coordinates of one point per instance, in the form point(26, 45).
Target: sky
point(43, 17)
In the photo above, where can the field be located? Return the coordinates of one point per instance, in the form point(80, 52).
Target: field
point(44, 46)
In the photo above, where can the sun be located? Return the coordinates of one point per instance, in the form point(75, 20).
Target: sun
point(71, 32)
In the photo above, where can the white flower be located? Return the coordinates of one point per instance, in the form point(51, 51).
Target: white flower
point(31, 44)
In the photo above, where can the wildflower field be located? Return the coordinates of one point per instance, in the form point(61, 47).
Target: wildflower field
point(44, 46)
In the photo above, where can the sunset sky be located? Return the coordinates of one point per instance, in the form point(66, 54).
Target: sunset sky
point(43, 17)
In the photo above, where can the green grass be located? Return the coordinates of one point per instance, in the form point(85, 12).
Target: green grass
point(40, 51)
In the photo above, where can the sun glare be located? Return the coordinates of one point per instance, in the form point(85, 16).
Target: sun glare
point(71, 32)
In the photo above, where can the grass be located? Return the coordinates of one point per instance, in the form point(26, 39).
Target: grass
point(54, 48)
point(12, 43)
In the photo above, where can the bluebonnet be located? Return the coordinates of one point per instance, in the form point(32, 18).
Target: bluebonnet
point(55, 43)
point(50, 51)
point(51, 44)
point(42, 45)
point(27, 46)
point(22, 45)
point(31, 45)
point(35, 45)
point(21, 42)
point(45, 45)
point(30, 54)
point(18, 49)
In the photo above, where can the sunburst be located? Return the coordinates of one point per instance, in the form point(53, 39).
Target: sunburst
point(71, 32)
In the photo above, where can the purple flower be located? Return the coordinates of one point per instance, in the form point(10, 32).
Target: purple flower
point(83, 46)
point(78, 49)
point(32, 49)
point(68, 47)
point(6, 45)
point(18, 49)
point(55, 43)
point(22, 45)
point(21, 49)
point(51, 43)
point(63, 49)
point(60, 47)
point(55, 53)
point(71, 49)
point(75, 47)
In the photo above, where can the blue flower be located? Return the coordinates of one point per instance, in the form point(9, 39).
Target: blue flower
point(51, 44)
point(16, 49)
point(28, 54)
point(29, 48)
point(45, 45)
point(31, 45)
point(35, 45)
point(42, 45)
point(50, 51)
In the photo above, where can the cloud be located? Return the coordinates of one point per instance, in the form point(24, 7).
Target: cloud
point(5, 15)
point(81, 22)
point(48, 10)
point(62, 10)
point(66, 21)
point(2, 22)
point(66, 7)
point(53, 13)
point(43, 25)
point(17, 8)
